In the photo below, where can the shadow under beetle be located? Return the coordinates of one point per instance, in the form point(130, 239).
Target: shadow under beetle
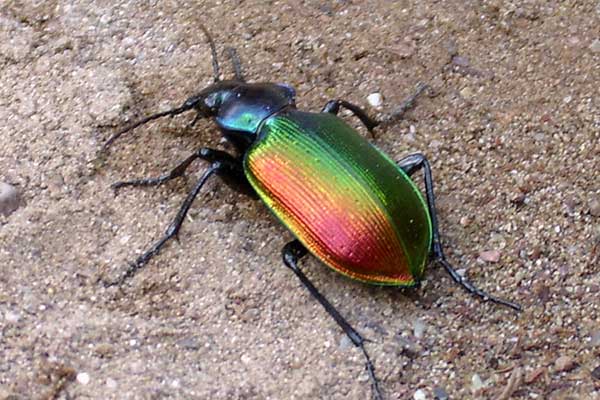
point(344, 200)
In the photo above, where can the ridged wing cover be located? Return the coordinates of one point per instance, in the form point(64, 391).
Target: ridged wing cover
point(345, 200)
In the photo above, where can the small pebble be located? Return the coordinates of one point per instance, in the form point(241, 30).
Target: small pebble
point(595, 207)
point(190, 343)
point(404, 49)
point(345, 342)
point(595, 46)
point(420, 395)
point(440, 393)
point(476, 383)
point(83, 378)
point(564, 364)
point(246, 359)
point(12, 317)
point(466, 92)
point(451, 47)
point(375, 99)
point(111, 383)
point(492, 256)
point(418, 328)
point(9, 199)
point(460, 61)
point(595, 339)
point(465, 221)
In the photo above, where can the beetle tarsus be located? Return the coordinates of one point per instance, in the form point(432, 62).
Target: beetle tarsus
point(371, 371)
point(410, 165)
point(469, 287)
point(407, 104)
point(291, 253)
point(176, 172)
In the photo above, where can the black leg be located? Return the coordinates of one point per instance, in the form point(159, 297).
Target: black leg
point(410, 165)
point(407, 104)
point(204, 153)
point(220, 165)
point(333, 107)
point(292, 252)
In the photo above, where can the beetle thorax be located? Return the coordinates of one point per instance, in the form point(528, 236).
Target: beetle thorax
point(243, 108)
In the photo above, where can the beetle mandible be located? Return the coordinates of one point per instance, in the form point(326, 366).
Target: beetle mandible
point(344, 200)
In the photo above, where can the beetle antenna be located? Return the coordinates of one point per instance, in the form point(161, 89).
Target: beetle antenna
point(237, 64)
point(187, 105)
point(172, 112)
point(213, 51)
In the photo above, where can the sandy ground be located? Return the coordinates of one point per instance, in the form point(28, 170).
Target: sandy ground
point(512, 133)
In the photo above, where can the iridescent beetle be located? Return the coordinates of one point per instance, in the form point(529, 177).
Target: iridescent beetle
point(345, 201)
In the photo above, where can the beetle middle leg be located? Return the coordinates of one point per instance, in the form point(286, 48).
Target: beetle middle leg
point(410, 165)
point(222, 164)
point(333, 107)
point(292, 252)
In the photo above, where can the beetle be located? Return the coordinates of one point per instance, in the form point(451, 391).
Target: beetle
point(346, 202)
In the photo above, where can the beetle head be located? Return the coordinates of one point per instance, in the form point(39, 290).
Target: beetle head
point(237, 107)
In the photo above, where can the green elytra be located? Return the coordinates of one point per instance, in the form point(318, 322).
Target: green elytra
point(367, 219)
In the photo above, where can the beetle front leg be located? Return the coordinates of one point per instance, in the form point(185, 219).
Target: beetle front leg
point(221, 165)
point(204, 153)
point(410, 165)
point(292, 252)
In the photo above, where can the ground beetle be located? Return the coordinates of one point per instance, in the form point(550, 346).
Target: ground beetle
point(345, 201)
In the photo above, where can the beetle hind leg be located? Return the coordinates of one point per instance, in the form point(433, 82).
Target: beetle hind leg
point(410, 165)
point(291, 253)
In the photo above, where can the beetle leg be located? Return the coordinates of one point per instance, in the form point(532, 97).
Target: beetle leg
point(409, 103)
point(333, 107)
point(204, 153)
point(174, 173)
point(292, 252)
point(221, 165)
point(410, 165)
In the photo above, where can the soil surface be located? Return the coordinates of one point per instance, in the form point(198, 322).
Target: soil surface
point(511, 128)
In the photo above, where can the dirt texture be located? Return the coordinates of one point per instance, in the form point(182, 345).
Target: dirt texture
point(512, 131)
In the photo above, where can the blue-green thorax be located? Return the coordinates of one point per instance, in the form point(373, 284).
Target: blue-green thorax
point(244, 107)
point(239, 108)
